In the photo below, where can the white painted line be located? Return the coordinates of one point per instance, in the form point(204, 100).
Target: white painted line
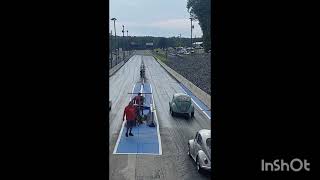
point(119, 137)
point(132, 91)
point(155, 115)
point(197, 105)
point(122, 127)
point(141, 89)
point(207, 115)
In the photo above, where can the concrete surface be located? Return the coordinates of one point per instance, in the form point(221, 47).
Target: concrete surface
point(120, 64)
point(174, 163)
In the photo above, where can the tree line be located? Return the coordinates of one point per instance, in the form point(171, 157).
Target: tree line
point(139, 42)
point(201, 10)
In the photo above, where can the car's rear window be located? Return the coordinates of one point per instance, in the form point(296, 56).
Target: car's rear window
point(183, 98)
point(208, 141)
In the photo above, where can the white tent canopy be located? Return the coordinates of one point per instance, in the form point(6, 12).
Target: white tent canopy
point(197, 43)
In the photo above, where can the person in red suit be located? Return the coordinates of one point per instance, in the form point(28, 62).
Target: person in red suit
point(139, 99)
point(130, 112)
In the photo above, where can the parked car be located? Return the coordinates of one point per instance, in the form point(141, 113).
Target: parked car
point(181, 104)
point(199, 149)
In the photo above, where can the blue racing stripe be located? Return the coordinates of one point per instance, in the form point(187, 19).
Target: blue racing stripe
point(146, 88)
point(198, 101)
point(136, 89)
point(145, 139)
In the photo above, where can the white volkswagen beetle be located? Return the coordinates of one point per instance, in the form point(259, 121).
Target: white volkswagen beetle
point(199, 149)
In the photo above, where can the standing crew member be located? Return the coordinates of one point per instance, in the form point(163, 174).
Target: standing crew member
point(130, 113)
point(139, 101)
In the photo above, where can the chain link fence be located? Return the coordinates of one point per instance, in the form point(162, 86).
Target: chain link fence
point(119, 57)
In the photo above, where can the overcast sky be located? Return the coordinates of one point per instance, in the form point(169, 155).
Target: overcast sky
point(159, 18)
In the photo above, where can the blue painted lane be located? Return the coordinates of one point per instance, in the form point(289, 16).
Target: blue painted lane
point(148, 97)
point(147, 88)
point(148, 140)
point(145, 139)
point(136, 89)
point(198, 102)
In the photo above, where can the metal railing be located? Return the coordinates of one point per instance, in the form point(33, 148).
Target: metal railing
point(119, 57)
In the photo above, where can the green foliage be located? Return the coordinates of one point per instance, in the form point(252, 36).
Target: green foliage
point(159, 53)
point(201, 10)
point(162, 43)
point(158, 42)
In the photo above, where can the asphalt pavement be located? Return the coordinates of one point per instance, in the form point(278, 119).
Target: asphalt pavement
point(174, 163)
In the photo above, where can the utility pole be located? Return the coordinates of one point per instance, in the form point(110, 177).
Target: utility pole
point(111, 48)
point(127, 41)
point(115, 36)
point(123, 42)
point(195, 40)
point(191, 29)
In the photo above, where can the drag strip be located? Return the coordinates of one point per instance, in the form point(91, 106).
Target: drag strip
point(146, 140)
point(174, 162)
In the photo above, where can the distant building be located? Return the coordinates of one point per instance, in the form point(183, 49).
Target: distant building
point(198, 44)
point(149, 45)
point(133, 45)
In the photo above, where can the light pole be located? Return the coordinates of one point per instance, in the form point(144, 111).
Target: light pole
point(115, 36)
point(127, 40)
point(123, 41)
point(111, 48)
point(191, 29)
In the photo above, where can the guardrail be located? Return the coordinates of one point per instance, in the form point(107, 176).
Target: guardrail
point(120, 63)
point(203, 96)
point(122, 56)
